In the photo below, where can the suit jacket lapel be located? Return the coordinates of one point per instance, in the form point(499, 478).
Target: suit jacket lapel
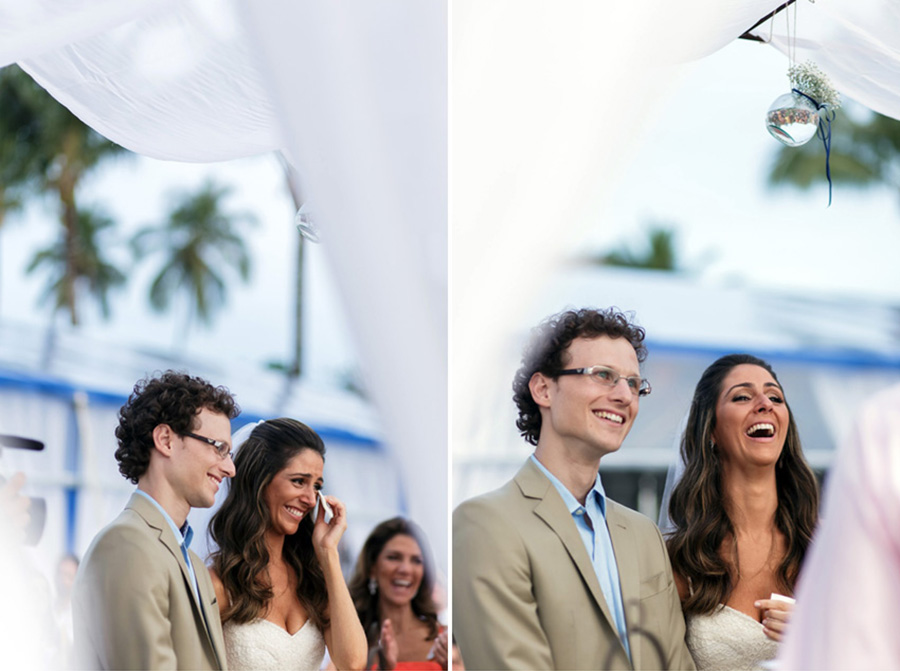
point(212, 630)
point(155, 520)
point(629, 580)
point(551, 509)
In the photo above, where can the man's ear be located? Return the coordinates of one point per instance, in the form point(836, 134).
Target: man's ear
point(163, 437)
point(539, 384)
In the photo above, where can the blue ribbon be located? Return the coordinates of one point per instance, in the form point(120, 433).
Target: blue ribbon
point(824, 133)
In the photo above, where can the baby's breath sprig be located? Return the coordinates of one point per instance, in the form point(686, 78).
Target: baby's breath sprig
point(809, 79)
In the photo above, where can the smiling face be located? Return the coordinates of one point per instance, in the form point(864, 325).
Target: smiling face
point(196, 471)
point(398, 570)
point(751, 417)
point(578, 411)
point(292, 493)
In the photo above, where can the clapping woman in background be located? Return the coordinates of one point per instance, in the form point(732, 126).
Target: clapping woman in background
point(392, 590)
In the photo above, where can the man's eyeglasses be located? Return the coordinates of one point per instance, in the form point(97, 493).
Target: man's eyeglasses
point(220, 446)
point(610, 378)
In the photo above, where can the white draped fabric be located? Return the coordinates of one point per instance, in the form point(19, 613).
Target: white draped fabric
point(29, 29)
point(854, 43)
point(179, 83)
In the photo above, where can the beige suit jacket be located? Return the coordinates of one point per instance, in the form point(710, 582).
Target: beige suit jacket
point(133, 603)
point(525, 595)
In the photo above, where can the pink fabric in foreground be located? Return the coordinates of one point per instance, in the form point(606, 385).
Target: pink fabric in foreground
point(848, 602)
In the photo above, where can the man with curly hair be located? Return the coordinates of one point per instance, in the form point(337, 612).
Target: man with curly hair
point(142, 599)
point(548, 573)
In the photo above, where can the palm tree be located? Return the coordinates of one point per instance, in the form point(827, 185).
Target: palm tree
point(20, 160)
point(79, 262)
point(659, 255)
point(19, 163)
point(45, 149)
point(201, 243)
point(863, 154)
point(295, 367)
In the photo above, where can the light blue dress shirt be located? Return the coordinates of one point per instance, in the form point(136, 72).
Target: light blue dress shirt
point(598, 544)
point(183, 536)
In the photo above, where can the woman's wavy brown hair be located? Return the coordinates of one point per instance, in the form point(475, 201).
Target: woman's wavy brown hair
point(367, 604)
point(239, 526)
point(696, 507)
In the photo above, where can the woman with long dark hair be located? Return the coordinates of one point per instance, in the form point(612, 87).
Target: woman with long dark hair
point(282, 597)
point(392, 591)
point(743, 512)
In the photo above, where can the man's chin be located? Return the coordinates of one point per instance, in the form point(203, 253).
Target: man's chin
point(607, 449)
point(204, 501)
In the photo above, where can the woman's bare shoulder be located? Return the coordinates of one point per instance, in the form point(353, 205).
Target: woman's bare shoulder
point(219, 588)
point(681, 585)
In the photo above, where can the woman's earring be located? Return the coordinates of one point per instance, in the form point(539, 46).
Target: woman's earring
point(712, 449)
point(373, 586)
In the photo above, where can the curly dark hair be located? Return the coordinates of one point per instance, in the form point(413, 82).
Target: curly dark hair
point(367, 604)
point(546, 352)
point(172, 398)
point(698, 515)
point(239, 526)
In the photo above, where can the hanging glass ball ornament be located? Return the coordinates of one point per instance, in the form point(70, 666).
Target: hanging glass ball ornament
point(792, 119)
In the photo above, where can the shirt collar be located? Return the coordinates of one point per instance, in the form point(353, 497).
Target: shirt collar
point(183, 535)
point(596, 494)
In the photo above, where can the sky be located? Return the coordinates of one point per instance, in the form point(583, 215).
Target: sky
point(702, 169)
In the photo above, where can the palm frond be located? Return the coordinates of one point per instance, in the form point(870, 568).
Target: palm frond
point(202, 244)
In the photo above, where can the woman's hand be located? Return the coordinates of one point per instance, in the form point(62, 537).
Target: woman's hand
point(326, 535)
point(776, 615)
point(388, 643)
point(439, 650)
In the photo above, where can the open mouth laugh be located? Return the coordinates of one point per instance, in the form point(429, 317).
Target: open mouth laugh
point(761, 430)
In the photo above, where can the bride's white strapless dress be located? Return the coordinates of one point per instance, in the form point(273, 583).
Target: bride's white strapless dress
point(728, 639)
point(261, 645)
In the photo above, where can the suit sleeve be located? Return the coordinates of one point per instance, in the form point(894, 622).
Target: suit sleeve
point(126, 601)
point(495, 616)
point(677, 654)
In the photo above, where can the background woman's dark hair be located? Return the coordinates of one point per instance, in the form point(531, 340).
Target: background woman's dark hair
point(546, 349)
point(367, 604)
point(696, 505)
point(170, 398)
point(239, 526)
